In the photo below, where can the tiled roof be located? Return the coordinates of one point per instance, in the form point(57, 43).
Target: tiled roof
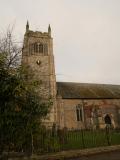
point(70, 90)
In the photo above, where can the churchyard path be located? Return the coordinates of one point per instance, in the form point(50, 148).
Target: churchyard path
point(115, 155)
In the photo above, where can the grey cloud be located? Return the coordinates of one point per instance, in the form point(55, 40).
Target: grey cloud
point(86, 34)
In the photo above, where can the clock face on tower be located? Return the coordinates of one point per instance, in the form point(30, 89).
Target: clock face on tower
point(38, 62)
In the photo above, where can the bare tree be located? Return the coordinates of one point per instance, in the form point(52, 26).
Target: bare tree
point(10, 49)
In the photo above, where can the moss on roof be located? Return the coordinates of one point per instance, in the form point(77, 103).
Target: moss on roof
point(70, 90)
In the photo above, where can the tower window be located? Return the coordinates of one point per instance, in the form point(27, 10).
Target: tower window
point(40, 48)
point(79, 113)
point(35, 47)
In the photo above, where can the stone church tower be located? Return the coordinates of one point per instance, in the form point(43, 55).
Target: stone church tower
point(38, 55)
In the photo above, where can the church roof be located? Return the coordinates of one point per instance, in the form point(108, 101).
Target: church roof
point(70, 90)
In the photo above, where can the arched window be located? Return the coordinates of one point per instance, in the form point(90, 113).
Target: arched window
point(79, 112)
point(107, 119)
point(40, 48)
point(35, 47)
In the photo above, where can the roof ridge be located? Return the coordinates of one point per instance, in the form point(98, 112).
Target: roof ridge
point(88, 90)
point(89, 83)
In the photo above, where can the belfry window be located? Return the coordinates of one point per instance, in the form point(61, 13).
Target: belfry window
point(79, 113)
point(38, 48)
point(35, 47)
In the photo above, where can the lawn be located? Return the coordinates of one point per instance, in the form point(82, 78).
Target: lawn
point(80, 139)
point(88, 139)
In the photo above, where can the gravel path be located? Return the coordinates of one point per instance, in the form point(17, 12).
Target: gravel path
point(106, 156)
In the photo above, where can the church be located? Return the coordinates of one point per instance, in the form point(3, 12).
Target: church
point(75, 105)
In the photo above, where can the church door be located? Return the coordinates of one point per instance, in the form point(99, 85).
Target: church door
point(107, 119)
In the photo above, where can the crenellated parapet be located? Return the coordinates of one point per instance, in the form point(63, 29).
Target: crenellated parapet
point(37, 33)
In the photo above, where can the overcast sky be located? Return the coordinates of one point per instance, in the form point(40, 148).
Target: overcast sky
point(86, 35)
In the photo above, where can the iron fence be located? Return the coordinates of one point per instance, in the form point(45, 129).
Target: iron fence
point(55, 140)
point(59, 140)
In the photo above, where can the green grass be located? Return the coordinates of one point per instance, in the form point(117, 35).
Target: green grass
point(69, 140)
point(89, 139)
